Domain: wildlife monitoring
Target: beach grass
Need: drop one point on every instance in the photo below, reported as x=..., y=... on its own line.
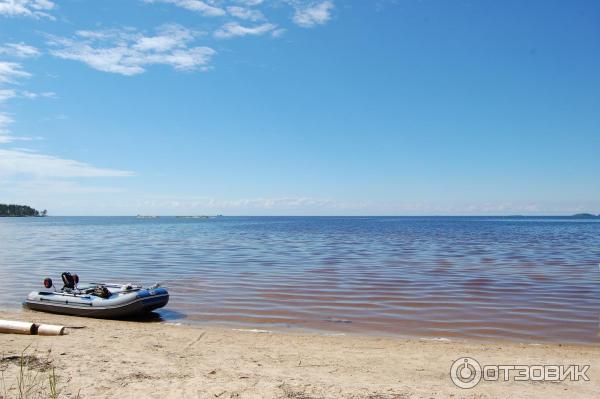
x=35, y=377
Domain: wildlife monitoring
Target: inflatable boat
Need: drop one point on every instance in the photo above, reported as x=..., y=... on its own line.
x=101, y=300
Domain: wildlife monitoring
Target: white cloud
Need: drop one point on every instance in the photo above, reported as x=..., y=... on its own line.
x=250, y=3
x=285, y=202
x=194, y=5
x=5, y=121
x=307, y=13
x=203, y=205
x=233, y=29
x=44, y=94
x=19, y=50
x=18, y=162
x=245, y=13
x=27, y=8
x=168, y=37
x=278, y=32
x=9, y=71
x=128, y=52
x=7, y=94
x=49, y=188
x=5, y=136
x=312, y=14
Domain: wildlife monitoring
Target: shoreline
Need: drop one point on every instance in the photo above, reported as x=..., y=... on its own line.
x=169, y=360
x=304, y=330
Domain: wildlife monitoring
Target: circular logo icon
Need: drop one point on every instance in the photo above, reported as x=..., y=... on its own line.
x=465, y=372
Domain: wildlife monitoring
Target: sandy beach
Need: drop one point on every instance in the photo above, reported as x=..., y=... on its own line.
x=107, y=359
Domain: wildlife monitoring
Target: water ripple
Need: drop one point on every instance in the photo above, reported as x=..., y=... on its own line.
x=525, y=279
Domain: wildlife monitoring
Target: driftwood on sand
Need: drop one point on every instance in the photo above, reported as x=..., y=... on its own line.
x=27, y=328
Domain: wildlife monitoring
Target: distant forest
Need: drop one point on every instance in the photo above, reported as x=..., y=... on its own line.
x=20, y=210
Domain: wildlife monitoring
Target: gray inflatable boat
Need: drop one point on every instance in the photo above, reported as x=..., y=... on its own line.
x=101, y=300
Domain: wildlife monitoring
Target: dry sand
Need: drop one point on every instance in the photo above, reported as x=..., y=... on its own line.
x=109, y=359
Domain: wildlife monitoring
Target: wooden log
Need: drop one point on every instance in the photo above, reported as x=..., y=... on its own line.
x=50, y=329
x=17, y=327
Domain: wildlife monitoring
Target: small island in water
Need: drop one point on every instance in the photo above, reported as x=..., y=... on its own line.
x=585, y=216
x=19, y=211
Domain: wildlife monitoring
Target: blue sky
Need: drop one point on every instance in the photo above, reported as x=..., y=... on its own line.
x=300, y=107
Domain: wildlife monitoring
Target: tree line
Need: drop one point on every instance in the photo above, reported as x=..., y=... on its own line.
x=20, y=210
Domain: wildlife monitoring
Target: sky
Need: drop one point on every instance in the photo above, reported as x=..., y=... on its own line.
x=300, y=107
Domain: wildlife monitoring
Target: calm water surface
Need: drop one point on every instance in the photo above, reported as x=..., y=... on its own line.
x=524, y=279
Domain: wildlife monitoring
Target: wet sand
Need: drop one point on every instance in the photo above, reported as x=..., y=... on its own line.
x=109, y=359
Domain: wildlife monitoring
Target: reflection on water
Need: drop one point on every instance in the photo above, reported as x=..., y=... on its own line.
x=525, y=279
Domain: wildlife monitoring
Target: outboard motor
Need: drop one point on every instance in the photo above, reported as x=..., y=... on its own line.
x=68, y=281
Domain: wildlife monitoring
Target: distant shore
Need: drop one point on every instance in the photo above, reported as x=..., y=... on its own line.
x=134, y=359
x=12, y=210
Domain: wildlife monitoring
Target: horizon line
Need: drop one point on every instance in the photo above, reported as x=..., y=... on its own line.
x=587, y=214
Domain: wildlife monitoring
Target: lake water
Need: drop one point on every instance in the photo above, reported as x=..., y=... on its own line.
x=525, y=279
